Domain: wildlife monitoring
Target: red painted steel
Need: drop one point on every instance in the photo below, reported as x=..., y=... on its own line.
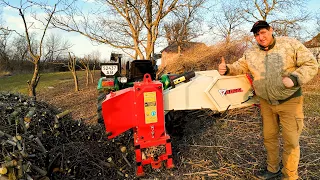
x=151, y=130
x=140, y=108
x=117, y=113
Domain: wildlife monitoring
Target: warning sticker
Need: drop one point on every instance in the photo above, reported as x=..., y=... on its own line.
x=150, y=107
x=179, y=80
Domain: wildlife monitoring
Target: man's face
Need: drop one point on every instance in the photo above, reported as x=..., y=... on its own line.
x=264, y=36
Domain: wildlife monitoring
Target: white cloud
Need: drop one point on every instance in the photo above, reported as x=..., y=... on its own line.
x=13, y=22
x=8, y=8
x=89, y=1
x=83, y=46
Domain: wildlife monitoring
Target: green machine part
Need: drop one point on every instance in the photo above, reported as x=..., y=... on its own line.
x=165, y=80
x=99, y=87
x=115, y=85
x=170, y=80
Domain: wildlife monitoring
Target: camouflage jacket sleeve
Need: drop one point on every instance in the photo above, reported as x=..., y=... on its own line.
x=306, y=63
x=238, y=67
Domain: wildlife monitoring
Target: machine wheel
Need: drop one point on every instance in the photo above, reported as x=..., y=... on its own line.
x=100, y=99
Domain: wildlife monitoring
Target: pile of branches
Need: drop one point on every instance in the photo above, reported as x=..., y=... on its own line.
x=39, y=142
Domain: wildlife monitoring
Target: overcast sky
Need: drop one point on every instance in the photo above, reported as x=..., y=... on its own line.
x=81, y=44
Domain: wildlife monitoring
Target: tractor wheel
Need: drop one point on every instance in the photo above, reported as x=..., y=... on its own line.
x=100, y=99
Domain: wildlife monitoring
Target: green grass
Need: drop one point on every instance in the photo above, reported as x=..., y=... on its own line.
x=18, y=83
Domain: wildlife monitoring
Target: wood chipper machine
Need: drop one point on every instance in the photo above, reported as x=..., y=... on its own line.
x=114, y=77
x=143, y=107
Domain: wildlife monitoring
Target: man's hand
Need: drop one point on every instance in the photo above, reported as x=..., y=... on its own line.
x=287, y=82
x=222, y=67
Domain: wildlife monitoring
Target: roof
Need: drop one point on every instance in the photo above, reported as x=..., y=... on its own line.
x=173, y=48
x=314, y=42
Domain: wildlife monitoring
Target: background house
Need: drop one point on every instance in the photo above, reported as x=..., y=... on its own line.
x=314, y=46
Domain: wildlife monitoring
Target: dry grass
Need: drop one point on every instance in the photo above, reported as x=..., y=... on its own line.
x=5, y=73
x=202, y=58
x=311, y=93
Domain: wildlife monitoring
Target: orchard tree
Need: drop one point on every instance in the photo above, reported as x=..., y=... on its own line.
x=23, y=9
x=72, y=68
x=85, y=62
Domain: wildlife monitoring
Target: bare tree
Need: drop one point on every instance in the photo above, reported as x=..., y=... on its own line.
x=227, y=20
x=283, y=14
x=72, y=67
x=35, y=55
x=19, y=48
x=85, y=62
x=131, y=25
x=4, y=38
x=55, y=47
x=4, y=56
x=186, y=24
x=317, y=17
x=95, y=58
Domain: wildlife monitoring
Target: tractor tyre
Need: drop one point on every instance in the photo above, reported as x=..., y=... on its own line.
x=100, y=99
x=101, y=96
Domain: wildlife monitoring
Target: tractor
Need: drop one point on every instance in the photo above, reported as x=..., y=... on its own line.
x=114, y=77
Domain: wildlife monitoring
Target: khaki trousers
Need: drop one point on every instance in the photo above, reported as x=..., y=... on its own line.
x=288, y=115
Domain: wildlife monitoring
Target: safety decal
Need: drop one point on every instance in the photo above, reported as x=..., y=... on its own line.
x=150, y=107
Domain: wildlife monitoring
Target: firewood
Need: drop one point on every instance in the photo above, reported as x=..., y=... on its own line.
x=11, y=163
x=39, y=170
x=37, y=140
x=68, y=151
x=3, y=170
x=59, y=116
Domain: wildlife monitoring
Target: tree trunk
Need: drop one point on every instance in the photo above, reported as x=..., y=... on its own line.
x=72, y=67
x=87, y=76
x=92, y=73
x=138, y=53
x=149, y=28
x=75, y=78
x=34, y=81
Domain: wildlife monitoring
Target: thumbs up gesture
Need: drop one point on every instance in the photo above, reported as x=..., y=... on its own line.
x=222, y=67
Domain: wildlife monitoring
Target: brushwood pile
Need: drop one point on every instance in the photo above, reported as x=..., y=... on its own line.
x=36, y=144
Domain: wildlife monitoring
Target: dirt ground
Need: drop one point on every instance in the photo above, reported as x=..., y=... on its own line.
x=206, y=145
x=82, y=104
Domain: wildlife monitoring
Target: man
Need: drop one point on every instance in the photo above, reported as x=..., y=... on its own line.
x=279, y=67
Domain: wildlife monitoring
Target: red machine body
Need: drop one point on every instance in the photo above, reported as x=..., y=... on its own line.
x=140, y=108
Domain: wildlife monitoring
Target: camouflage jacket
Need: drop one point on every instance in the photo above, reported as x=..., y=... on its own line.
x=288, y=57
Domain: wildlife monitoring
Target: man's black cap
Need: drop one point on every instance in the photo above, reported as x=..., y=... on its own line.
x=258, y=25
